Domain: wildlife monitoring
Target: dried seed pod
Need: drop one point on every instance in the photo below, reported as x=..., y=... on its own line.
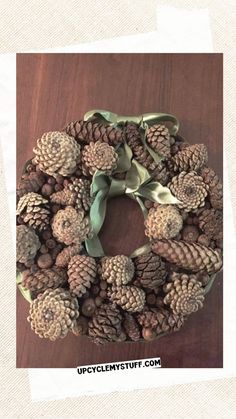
x=164, y=221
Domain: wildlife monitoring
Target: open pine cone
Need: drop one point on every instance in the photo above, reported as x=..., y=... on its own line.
x=163, y=222
x=70, y=226
x=116, y=270
x=98, y=156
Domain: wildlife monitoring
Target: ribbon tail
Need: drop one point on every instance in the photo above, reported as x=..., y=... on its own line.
x=94, y=247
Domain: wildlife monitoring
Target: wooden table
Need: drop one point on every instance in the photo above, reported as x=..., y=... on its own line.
x=53, y=89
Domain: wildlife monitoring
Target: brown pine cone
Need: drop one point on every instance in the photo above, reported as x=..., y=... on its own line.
x=129, y=298
x=160, y=320
x=82, y=272
x=81, y=188
x=31, y=182
x=215, y=187
x=87, y=131
x=70, y=226
x=98, y=156
x=118, y=270
x=44, y=278
x=27, y=244
x=105, y=325
x=162, y=174
x=158, y=137
x=63, y=258
x=131, y=327
x=190, y=233
x=191, y=158
x=150, y=271
x=189, y=189
x=184, y=295
x=53, y=313
x=33, y=210
x=191, y=256
x=64, y=197
x=80, y=327
x=211, y=223
x=57, y=153
x=134, y=141
x=164, y=221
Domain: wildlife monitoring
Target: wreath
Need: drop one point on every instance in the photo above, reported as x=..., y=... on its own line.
x=71, y=285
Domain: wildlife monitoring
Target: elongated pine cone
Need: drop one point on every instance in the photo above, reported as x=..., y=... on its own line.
x=30, y=182
x=140, y=154
x=191, y=158
x=98, y=156
x=131, y=327
x=189, y=189
x=43, y=279
x=164, y=221
x=117, y=270
x=53, y=313
x=215, y=187
x=81, y=189
x=184, y=295
x=64, y=197
x=82, y=272
x=150, y=271
x=211, y=223
x=70, y=226
x=105, y=325
x=160, y=320
x=129, y=298
x=57, y=153
x=27, y=244
x=158, y=137
x=88, y=131
x=191, y=256
x=33, y=210
x=63, y=258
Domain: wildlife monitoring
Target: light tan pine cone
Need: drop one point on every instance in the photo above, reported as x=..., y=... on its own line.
x=163, y=221
x=191, y=158
x=105, y=325
x=63, y=258
x=158, y=137
x=140, y=154
x=87, y=131
x=98, y=156
x=70, y=226
x=81, y=188
x=117, y=270
x=53, y=313
x=150, y=271
x=57, y=153
x=184, y=295
x=27, y=244
x=160, y=320
x=44, y=278
x=211, y=223
x=131, y=327
x=64, y=197
x=82, y=272
x=189, y=189
x=33, y=210
x=215, y=187
x=31, y=182
x=191, y=256
x=129, y=298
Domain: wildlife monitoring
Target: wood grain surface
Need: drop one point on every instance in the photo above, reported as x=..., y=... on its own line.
x=53, y=89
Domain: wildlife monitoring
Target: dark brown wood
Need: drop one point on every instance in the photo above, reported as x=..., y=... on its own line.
x=53, y=89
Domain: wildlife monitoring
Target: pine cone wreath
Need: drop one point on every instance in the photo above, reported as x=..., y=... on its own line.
x=81, y=189
x=131, y=327
x=30, y=182
x=150, y=271
x=158, y=137
x=211, y=223
x=27, y=244
x=163, y=221
x=184, y=295
x=82, y=272
x=189, y=189
x=88, y=131
x=212, y=180
x=33, y=210
x=70, y=226
x=191, y=256
x=44, y=278
x=105, y=325
x=191, y=158
x=98, y=156
x=159, y=320
x=53, y=313
x=129, y=298
x=63, y=258
x=140, y=154
x=57, y=153
x=117, y=270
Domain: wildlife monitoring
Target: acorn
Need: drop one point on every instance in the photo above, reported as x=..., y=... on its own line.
x=45, y=261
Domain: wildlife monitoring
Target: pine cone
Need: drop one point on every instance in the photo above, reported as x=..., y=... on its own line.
x=118, y=270
x=80, y=327
x=57, y=153
x=191, y=158
x=31, y=182
x=53, y=313
x=98, y=156
x=44, y=278
x=215, y=187
x=184, y=295
x=158, y=137
x=70, y=226
x=87, y=131
x=32, y=208
x=160, y=320
x=27, y=244
x=64, y=197
x=63, y=258
x=82, y=272
x=164, y=221
x=140, y=154
x=161, y=174
x=129, y=298
x=81, y=188
x=211, y=223
x=105, y=325
x=131, y=327
x=189, y=189
x=190, y=233
x=190, y=256
x=150, y=271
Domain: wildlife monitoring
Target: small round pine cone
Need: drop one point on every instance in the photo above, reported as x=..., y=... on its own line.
x=57, y=153
x=81, y=189
x=118, y=270
x=129, y=298
x=27, y=244
x=160, y=320
x=63, y=258
x=163, y=221
x=91, y=131
x=191, y=158
x=184, y=295
x=53, y=313
x=150, y=271
x=190, y=233
x=44, y=278
x=31, y=182
x=140, y=154
x=158, y=137
x=211, y=223
x=131, y=327
x=105, y=325
x=189, y=189
x=64, y=197
x=82, y=272
x=70, y=226
x=215, y=186
x=98, y=156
